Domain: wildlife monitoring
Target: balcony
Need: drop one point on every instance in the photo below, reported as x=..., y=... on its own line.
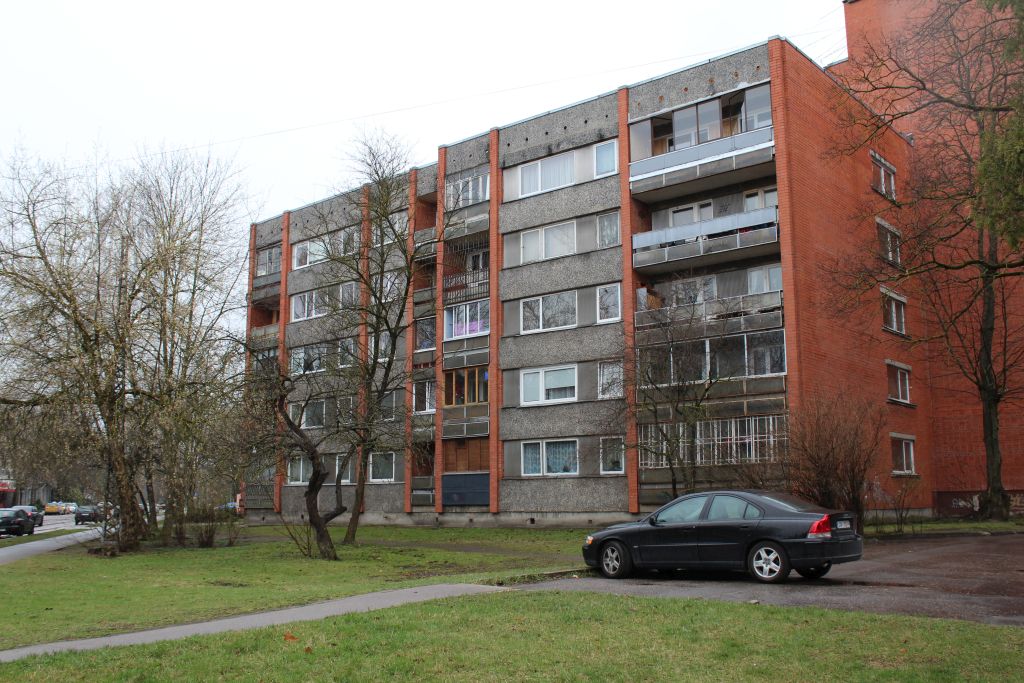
x=265, y=335
x=727, y=160
x=742, y=235
x=425, y=241
x=466, y=286
x=746, y=312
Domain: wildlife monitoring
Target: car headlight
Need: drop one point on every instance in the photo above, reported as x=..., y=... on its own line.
x=590, y=539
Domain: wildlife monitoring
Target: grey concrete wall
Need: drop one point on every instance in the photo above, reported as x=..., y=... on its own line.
x=380, y=498
x=426, y=180
x=563, y=420
x=541, y=136
x=704, y=80
x=588, y=451
x=468, y=154
x=567, y=272
x=586, y=240
x=560, y=205
x=325, y=216
x=565, y=494
x=586, y=379
x=268, y=232
x=581, y=344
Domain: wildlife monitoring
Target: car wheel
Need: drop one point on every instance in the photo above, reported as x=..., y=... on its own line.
x=31, y=529
x=615, y=560
x=767, y=562
x=815, y=572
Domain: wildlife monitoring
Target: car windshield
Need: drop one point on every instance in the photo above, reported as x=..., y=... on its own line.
x=6, y=513
x=791, y=503
x=86, y=508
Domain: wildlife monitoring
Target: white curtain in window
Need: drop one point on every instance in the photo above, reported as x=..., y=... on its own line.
x=531, y=246
x=531, y=386
x=556, y=171
x=531, y=458
x=560, y=457
x=559, y=240
x=559, y=384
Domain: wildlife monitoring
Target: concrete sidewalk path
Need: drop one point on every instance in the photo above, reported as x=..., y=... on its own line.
x=23, y=550
x=356, y=603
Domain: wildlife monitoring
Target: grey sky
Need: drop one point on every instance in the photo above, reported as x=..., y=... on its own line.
x=282, y=87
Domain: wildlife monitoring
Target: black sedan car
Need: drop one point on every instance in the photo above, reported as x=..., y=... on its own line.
x=767, y=534
x=15, y=522
x=87, y=513
x=35, y=514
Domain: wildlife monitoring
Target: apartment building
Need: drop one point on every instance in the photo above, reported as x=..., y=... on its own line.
x=594, y=260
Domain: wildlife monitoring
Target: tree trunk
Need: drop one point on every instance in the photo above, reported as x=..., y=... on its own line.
x=324, y=542
x=995, y=502
x=132, y=527
x=357, y=505
x=151, y=497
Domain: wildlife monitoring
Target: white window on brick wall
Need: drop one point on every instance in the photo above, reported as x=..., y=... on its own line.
x=608, y=303
x=608, y=233
x=550, y=242
x=549, y=312
x=548, y=385
x=899, y=381
x=888, y=241
x=424, y=396
x=893, y=312
x=883, y=176
x=382, y=467
x=550, y=458
x=606, y=161
x=902, y=454
x=613, y=455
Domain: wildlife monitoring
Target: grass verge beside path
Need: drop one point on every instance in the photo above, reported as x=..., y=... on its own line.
x=37, y=536
x=945, y=526
x=70, y=594
x=521, y=636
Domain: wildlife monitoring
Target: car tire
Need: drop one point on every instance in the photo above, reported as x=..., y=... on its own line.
x=615, y=561
x=767, y=562
x=815, y=572
x=31, y=529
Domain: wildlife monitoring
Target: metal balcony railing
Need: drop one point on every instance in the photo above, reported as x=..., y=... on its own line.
x=697, y=153
x=466, y=286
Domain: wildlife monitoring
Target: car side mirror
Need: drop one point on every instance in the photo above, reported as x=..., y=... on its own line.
x=653, y=520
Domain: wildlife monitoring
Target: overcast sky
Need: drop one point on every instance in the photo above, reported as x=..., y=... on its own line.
x=283, y=87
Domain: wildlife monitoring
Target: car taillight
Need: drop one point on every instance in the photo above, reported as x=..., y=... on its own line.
x=821, y=528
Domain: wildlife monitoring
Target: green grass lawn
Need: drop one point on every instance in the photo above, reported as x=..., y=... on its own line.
x=70, y=594
x=945, y=526
x=37, y=536
x=523, y=636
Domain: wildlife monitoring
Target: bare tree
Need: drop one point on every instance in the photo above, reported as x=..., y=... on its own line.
x=950, y=81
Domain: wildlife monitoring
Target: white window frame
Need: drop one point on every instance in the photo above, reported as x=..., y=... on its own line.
x=304, y=476
x=322, y=252
x=892, y=247
x=694, y=208
x=885, y=172
x=540, y=299
x=544, y=457
x=622, y=448
x=618, y=230
x=618, y=306
x=389, y=402
x=761, y=193
x=466, y=305
x=601, y=383
x=297, y=356
x=902, y=381
x=310, y=303
x=369, y=464
x=303, y=423
x=348, y=473
x=540, y=174
x=348, y=357
x=904, y=440
x=542, y=373
x=457, y=199
x=543, y=243
x=891, y=302
x=614, y=142
x=416, y=334
x=430, y=394
x=262, y=258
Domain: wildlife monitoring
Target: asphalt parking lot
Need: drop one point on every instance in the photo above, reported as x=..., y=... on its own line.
x=978, y=578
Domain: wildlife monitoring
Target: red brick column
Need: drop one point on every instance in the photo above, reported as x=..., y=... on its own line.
x=283, y=317
x=442, y=165
x=495, y=380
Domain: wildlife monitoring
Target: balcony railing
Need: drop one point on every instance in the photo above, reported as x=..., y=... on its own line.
x=729, y=307
x=721, y=147
x=466, y=286
x=264, y=332
x=737, y=231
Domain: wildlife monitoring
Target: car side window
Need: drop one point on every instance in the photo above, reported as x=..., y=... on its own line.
x=684, y=511
x=752, y=513
x=727, y=507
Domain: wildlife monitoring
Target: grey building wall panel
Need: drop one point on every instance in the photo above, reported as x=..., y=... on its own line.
x=704, y=80
x=318, y=329
x=563, y=419
x=385, y=497
x=556, y=275
x=559, y=205
x=426, y=180
x=586, y=240
x=268, y=232
x=592, y=494
x=468, y=154
x=325, y=216
x=581, y=124
x=588, y=450
x=314, y=276
x=577, y=345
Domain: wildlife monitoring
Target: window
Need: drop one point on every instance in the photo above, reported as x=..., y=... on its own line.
x=608, y=230
x=389, y=285
x=349, y=294
x=608, y=305
x=387, y=230
x=468, y=191
x=388, y=406
x=893, y=312
x=764, y=279
x=308, y=359
x=308, y=252
x=687, y=510
x=465, y=386
x=613, y=455
x=426, y=333
x=382, y=347
x=888, y=242
x=347, y=354
x=299, y=470
x=265, y=359
x=883, y=176
x=548, y=385
x=552, y=458
x=478, y=260
x=423, y=396
x=692, y=291
x=467, y=320
x=766, y=353
x=899, y=382
x=550, y=242
x=382, y=467
x=726, y=508
x=343, y=469
x=605, y=158
x=546, y=174
x=312, y=304
x=902, y=454
x=610, y=379
x=311, y=417
x=692, y=213
x=760, y=199
x=550, y=312
x=268, y=261
x=728, y=357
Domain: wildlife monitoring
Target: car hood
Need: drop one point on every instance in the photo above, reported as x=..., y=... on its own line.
x=623, y=525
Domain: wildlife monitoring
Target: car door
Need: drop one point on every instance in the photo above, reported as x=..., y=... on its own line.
x=730, y=524
x=671, y=539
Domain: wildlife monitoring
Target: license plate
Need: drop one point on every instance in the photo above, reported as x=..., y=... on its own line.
x=842, y=524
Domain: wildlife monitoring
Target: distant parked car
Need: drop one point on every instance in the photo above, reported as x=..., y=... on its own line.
x=766, y=533
x=88, y=513
x=16, y=522
x=35, y=515
x=53, y=508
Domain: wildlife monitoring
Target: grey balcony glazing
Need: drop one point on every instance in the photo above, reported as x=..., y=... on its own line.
x=697, y=153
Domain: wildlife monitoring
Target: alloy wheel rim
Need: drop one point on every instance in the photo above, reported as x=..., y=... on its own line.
x=767, y=563
x=611, y=559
